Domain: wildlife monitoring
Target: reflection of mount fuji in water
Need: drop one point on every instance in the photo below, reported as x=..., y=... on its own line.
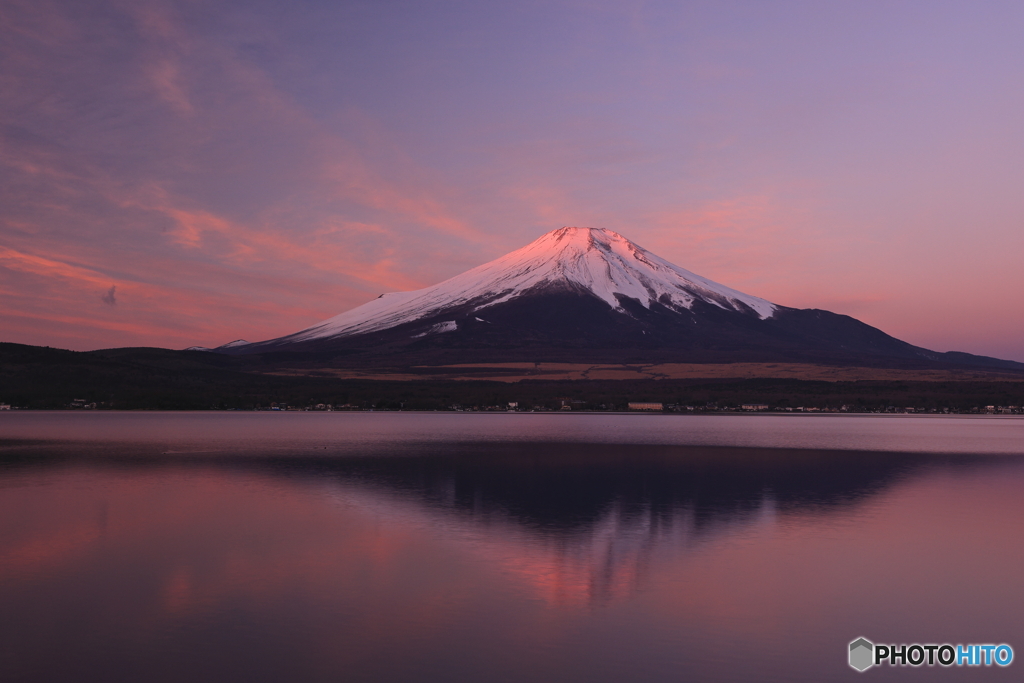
x=561, y=489
x=575, y=523
x=584, y=522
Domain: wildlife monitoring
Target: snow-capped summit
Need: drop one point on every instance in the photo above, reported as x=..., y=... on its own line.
x=588, y=260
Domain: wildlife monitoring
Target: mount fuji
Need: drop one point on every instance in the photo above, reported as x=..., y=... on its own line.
x=591, y=295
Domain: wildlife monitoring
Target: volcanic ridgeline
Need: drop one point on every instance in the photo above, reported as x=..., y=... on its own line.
x=586, y=295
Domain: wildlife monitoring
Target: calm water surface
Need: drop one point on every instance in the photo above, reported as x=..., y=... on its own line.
x=464, y=547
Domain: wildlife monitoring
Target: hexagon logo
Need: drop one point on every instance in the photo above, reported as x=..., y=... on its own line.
x=862, y=653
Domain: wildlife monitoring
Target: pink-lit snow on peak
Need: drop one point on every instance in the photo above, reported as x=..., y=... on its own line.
x=594, y=259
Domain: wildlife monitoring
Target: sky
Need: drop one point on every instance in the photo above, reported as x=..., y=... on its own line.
x=192, y=172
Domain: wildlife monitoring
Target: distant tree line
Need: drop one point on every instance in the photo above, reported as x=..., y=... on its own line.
x=156, y=379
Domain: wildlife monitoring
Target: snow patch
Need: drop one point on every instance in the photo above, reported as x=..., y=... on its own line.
x=439, y=328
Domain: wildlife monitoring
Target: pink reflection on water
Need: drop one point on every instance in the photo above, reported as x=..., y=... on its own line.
x=352, y=576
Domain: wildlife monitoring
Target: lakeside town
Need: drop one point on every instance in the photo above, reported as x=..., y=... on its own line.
x=570, y=405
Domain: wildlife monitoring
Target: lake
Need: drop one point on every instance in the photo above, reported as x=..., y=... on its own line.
x=503, y=547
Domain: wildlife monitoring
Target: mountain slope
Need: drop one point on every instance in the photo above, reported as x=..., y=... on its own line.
x=591, y=295
x=600, y=262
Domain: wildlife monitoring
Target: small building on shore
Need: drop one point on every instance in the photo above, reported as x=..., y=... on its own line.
x=645, y=406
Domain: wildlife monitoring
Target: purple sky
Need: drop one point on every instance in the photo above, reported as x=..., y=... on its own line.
x=178, y=173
